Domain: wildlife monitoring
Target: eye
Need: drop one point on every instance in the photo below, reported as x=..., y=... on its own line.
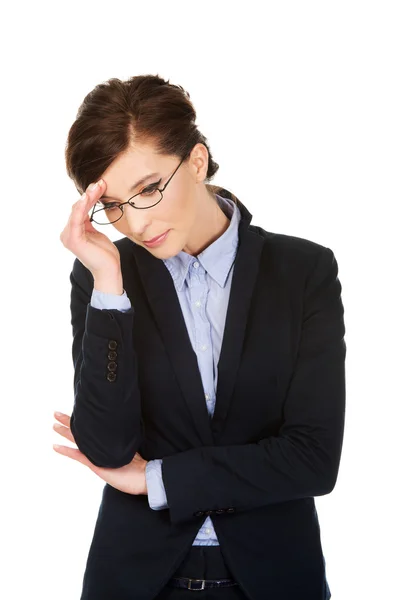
x=107, y=205
x=150, y=189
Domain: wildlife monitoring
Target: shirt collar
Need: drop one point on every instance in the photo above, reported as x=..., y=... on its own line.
x=217, y=259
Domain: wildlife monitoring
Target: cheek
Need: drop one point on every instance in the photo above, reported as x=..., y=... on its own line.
x=180, y=212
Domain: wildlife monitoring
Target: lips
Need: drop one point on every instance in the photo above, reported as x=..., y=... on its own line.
x=155, y=238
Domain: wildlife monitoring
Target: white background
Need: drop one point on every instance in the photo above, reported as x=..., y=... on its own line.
x=300, y=103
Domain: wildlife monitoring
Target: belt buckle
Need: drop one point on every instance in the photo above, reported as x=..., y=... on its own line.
x=203, y=583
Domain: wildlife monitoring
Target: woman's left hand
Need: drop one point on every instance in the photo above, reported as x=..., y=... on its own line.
x=130, y=478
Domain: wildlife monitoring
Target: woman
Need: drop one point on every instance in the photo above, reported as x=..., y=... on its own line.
x=209, y=357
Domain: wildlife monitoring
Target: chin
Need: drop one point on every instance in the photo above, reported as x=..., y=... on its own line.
x=163, y=253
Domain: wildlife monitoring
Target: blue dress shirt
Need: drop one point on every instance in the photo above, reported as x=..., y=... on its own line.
x=203, y=286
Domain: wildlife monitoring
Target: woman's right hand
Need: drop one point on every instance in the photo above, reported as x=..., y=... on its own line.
x=94, y=249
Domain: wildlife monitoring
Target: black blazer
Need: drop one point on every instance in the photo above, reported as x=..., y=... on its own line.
x=273, y=443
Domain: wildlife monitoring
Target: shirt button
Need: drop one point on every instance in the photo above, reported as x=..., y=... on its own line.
x=198, y=303
x=207, y=396
x=204, y=347
x=208, y=530
x=196, y=265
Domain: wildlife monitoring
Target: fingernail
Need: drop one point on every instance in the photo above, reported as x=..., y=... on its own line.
x=92, y=186
x=83, y=197
x=58, y=414
x=56, y=446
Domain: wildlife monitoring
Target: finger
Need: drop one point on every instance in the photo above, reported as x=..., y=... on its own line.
x=63, y=418
x=79, y=220
x=64, y=431
x=89, y=199
x=80, y=209
x=73, y=453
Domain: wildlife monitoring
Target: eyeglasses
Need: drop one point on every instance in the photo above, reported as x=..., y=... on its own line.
x=113, y=211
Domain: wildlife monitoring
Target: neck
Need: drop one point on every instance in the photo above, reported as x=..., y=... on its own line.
x=211, y=222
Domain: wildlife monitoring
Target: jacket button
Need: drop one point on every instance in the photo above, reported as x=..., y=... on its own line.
x=220, y=511
x=112, y=344
x=199, y=513
x=111, y=376
x=230, y=510
x=112, y=366
x=208, y=512
x=112, y=355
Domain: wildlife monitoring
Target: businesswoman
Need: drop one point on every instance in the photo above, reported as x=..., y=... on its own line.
x=209, y=365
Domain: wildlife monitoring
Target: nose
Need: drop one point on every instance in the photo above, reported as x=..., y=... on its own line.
x=138, y=221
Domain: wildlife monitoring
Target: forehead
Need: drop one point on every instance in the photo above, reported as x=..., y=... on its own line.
x=136, y=161
x=132, y=169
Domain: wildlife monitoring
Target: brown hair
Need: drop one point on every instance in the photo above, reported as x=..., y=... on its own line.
x=145, y=108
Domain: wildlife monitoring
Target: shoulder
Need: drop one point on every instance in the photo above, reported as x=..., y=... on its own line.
x=290, y=253
x=293, y=254
x=289, y=245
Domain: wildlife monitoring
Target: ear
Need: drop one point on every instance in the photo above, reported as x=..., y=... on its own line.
x=199, y=162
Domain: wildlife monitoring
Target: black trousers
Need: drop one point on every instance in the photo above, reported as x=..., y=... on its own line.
x=203, y=562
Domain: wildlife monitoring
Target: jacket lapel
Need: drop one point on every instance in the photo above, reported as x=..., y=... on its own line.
x=164, y=304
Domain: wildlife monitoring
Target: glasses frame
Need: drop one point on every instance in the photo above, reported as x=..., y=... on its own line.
x=138, y=194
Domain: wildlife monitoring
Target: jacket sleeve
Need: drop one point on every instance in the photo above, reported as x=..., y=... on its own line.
x=155, y=487
x=303, y=459
x=106, y=418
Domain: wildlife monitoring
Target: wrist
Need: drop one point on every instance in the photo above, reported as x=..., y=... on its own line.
x=109, y=284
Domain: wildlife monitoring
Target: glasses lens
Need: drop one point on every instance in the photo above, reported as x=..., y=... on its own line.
x=104, y=215
x=107, y=215
x=145, y=200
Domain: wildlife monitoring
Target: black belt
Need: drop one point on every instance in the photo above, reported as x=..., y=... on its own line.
x=200, y=584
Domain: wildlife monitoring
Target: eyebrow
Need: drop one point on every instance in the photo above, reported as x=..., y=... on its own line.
x=135, y=185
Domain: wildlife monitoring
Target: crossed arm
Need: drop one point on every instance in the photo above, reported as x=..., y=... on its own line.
x=303, y=459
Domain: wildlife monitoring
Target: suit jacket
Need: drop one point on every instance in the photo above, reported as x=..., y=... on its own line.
x=273, y=443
